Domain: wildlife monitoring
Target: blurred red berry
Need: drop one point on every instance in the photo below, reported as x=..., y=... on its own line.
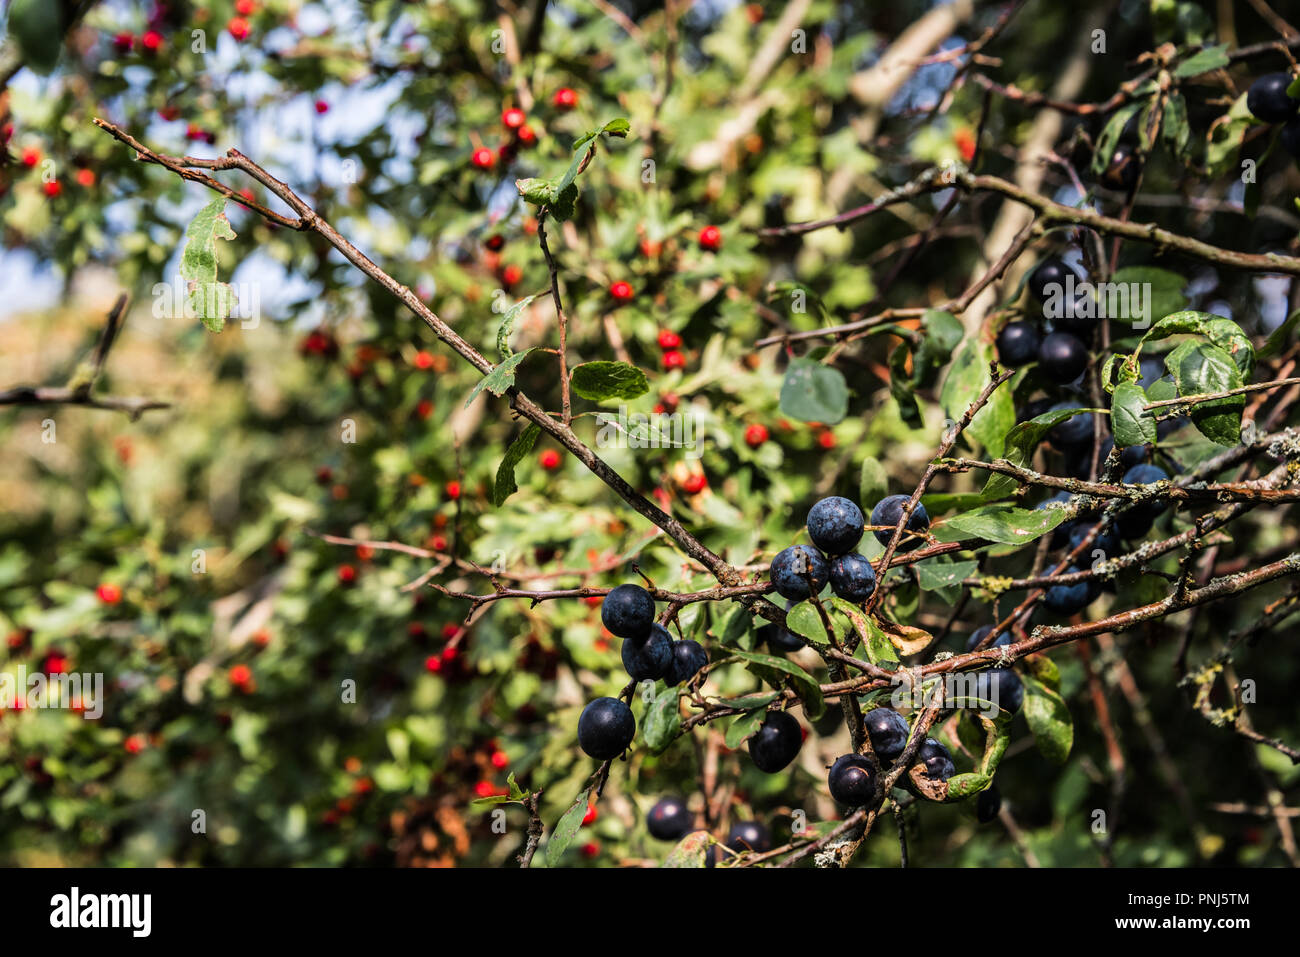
x=674, y=359
x=512, y=274
x=424, y=409
x=513, y=118
x=53, y=188
x=669, y=339
x=433, y=664
x=86, y=178
x=710, y=238
x=591, y=814
x=453, y=490
x=134, y=744
x=565, y=98
x=423, y=360
x=621, y=291
x=124, y=41
x=365, y=552
x=240, y=675
x=500, y=760
x=695, y=483
x=322, y=106
x=347, y=574
x=965, y=141
x=56, y=663
x=826, y=440
x=590, y=849
x=450, y=631
x=526, y=135
x=324, y=475
x=483, y=158
x=238, y=28
x=245, y=7
x=755, y=435
x=31, y=156
x=495, y=242
x=152, y=41
x=109, y=594
x=549, y=459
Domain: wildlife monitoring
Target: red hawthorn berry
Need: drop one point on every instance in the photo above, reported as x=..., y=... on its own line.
x=590, y=849
x=322, y=106
x=238, y=28
x=756, y=435
x=423, y=360
x=433, y=664
x=109, y=594
x=591, y=814
x=651, y=248
x=594, y=601
x=674, y=359
x=526, y=136
x=18, y=639
x=424, y=409
x=347, y=574
x=530, y=226
x=352, y=765
x=670, y=401
x=365, y=552
x=170, y=113
x=123, y=42
x=450, y=631
x=695, y=483
x=621, y=291
x=134, y=744
x=240, y=676
x=453, y=490
x=512, y=274
x=363, y=786
x=53, y=188
x=262, y=637
x=549, y=459
x=339, y=492
x=31, y=156
x=565, y=98
x=86, y=178
x=965, y=141
x=151, y=41
x=710, y=238
x=56, y=663
x=245, y=7
x=500, y=760
x=415, y=629
x=826, y=440
x=448, y=655
x=495, y=242
x=601, y=644
x=483, y=158
x=485, y=789
x=439, y=543
x=659, y=409
x=513, y=118
x=669, y=339
x=324, y=475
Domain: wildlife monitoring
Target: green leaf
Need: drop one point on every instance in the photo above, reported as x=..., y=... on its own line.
x=966, y=379
x=539, y=192
x=750, y=702
x=1175, y=129
x=804, y=619
x=1199, y=368
x=603, y=380
x=1162, y=293
x=505, y=484
x=1049, y=720
x=566, y=829
x=812, y=392
x=743, y=726
x=37, y=27
x=210, y=300
x=662, y=721
x=690, y=850
x=934, y=575
x=1110, y=135
x=507, y=326
x=1211, y=58
x=941, y=332
x=737, y=626
x=1278, y=337
x=1132, y=425
x=777, y=671
x=1019, y=448
x=500, y=378
x=873, y=483
x=1005, y=524
x=880, y=650
x=1225, y=137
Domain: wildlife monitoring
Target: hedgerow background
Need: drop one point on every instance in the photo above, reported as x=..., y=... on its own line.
x=213, y=515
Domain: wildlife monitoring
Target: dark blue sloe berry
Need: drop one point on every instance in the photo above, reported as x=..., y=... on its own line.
x=1062, y=357
x=606, y=728
x=799, y=572
x=1018, y=344
x=776, y=742
x=1267, y=98
x=835, y=525
x=669, y=819
x=852, y=577
x=888, y=732
x=648, y=660
x=689, y=657
x=628, y=611
x=852, y=780
x=935, y=760
x=889, y=511
x=749, y=836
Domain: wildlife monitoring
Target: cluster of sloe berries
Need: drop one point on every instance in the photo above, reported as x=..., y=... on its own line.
x=852, y=778
x=1062, y=352
x=835, y=526
x=606, y=726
